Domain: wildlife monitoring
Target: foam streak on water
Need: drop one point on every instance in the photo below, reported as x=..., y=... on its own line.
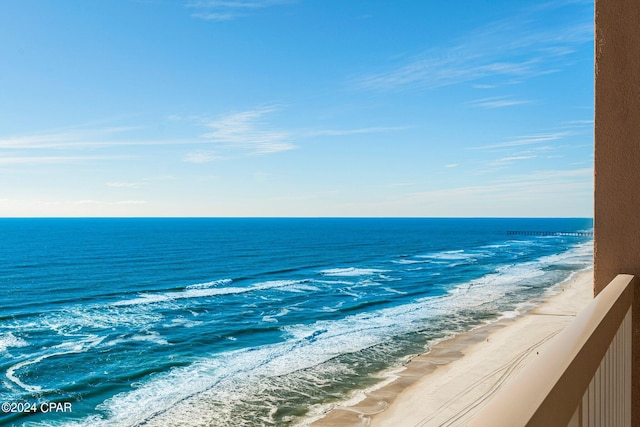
x=247, y=322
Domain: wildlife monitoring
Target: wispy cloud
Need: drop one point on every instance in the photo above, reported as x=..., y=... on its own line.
x=343, y=132
x=39, y=160
x=496, y=102
x=86, y=138
x=525, y=140
x=578, y=125
x=247, y=130
x=226, y=10
x=503, y=163
x=518, y=47
x=78, y=144
x=440, y=69
x=512, y=159
x=201, y=156
x=588, y=122
x=73, y=138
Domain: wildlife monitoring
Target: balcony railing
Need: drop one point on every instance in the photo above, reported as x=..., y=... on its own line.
x=582, y=378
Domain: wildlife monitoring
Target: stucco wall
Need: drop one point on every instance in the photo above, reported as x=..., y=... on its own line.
x=617, y=154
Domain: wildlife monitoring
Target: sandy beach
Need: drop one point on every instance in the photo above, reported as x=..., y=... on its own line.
x=450, y=383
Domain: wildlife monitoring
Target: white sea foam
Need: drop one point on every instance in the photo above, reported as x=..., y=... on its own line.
x=350, y=293
x=205, y=292
x=575, y=256
x=153, y=337
x=394, y=291
x=272, y=318
x=301, y=288
x=145, y=299
x=66, y=347
x=9, y=340
x=333, y=282
x=182, y=322
x=210, y=284
x=352, y=272
x=459, y=255
x=512, y=277
x=71, y=322
x=336, y=307
x=405, y=261
x=448, y=257
x=496, y=246
x=11, y=373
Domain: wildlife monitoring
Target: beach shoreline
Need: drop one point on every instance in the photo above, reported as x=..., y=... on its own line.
x=457, y=376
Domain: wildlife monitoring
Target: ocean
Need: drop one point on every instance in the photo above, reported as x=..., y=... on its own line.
x=247, y=321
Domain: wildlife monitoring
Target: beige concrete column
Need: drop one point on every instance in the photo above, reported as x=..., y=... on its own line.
x=617, y=154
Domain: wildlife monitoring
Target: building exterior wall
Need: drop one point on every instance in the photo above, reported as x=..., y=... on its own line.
x=617, y=155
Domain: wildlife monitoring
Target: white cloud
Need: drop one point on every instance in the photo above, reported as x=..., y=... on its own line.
x=74, y=138
x=518, y=47
x=500, y=165
x=36, y=160
x=526, y=140
x=511, y=159
x=496, y=102
x=84, y=138
x=580, y=125
x=342, y=132
x=588, y=122
x=200, y=157
x=226, y=10
x=246, y=130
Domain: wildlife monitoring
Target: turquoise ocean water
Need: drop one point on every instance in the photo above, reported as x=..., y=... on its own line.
x=246, y=322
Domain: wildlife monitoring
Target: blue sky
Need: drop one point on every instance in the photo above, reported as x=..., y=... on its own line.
x=296, y=108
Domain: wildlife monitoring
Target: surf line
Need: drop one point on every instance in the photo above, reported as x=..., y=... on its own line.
x=11, y=372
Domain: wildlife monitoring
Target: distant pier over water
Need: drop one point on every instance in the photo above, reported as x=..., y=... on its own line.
x=551, y=233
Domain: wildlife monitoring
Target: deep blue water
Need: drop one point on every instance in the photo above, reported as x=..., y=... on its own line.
x=232, y=322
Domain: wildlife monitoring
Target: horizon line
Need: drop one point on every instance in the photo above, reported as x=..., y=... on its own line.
x=295, y=217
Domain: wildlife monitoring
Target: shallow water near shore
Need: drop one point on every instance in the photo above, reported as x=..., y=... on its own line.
x=233, y=322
